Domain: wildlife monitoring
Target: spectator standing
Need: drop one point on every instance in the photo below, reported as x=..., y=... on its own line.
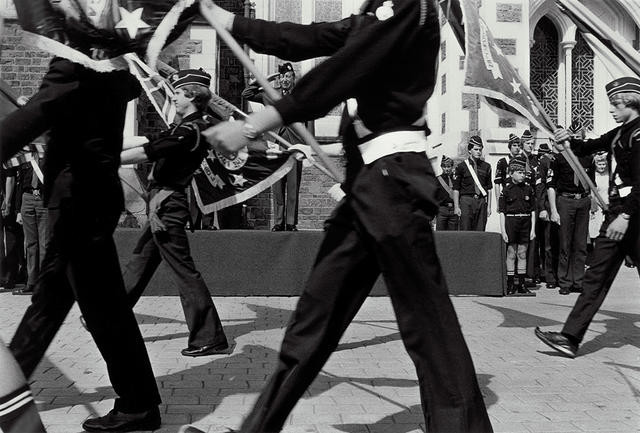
x=12, y=263
x=286, y=191
x=601, y=180
x=446, y=218
x=502, y=176
x=517, y=224
x=472, y=182
x=550, y=230
x=570, y=204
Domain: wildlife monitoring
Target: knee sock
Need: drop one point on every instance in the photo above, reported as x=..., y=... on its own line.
x=18, y=412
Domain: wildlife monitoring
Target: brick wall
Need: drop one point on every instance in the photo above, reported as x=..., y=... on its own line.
x=23, y=68
x=20, y=66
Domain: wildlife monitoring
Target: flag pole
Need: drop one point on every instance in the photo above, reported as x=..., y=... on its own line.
x=571, y=157
x=205, y=10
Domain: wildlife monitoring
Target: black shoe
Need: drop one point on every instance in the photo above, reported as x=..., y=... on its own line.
x=116, y=421
x=530, y=283
x=523, y=291
x=552, y=285
x=207, y=350
x=277, y=228
x=575, y=289
x=564, y=290
x=558, y=342
x=24, y=291
x=291, y=228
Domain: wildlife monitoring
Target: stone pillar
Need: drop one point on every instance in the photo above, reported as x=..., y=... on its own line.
x=564, y=74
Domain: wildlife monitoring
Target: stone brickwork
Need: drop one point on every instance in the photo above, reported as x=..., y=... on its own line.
x=507, y=122
x=508, y=46
x=469, y=101
x=20, y=66
x=509, y=12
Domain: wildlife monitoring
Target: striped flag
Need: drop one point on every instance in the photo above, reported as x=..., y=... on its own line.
x=490, y=74
x=26, y=154
x=154, y=86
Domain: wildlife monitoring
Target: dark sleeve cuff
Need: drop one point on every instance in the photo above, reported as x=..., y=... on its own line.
x=287, y=109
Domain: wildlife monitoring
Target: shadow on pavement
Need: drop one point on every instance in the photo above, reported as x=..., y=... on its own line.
x=519, y=319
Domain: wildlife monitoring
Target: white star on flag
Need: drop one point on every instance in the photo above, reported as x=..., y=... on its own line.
x=516, y=86
x=132, y=21
x=238, y=180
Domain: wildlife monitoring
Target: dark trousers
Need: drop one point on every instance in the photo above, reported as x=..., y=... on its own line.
x=574, y=231
x=606, y=259
x=535, y=252
x=380, y=227
x=12, y=257
x=82, y=264
x=34, y=224
x=447, y=219
x=551, y=251
x=285, y=209
x=473, y=213
x=172, y=246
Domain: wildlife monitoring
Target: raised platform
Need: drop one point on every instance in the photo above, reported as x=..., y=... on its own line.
x=262, y=263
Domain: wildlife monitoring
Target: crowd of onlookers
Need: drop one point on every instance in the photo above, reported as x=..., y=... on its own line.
x=548, y=216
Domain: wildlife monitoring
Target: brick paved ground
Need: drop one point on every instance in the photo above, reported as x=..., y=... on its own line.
x=369, y=383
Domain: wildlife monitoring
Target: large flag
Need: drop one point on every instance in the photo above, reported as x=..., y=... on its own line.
x=224, y=180
x=105, y=29
x=489, y=73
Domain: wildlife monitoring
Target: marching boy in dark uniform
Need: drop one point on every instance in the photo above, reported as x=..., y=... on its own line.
x=446, y=218
x=176, y=154
x=517, y=224
x=620, y=232
x=381, y=226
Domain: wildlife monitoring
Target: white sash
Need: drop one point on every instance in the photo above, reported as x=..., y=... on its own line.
x=475, y=178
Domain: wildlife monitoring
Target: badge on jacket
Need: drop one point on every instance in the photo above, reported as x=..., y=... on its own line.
x=385, y=11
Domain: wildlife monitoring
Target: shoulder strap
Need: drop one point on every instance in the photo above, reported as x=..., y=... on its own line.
x=445, y=186
x=475, y=178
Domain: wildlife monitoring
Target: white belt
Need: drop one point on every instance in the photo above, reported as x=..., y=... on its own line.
x=393, y=142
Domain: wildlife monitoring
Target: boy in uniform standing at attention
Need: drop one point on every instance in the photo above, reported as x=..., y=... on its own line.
x=516, y=206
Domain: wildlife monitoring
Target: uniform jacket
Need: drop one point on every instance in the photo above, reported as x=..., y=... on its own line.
x=542, y=173
x=516, y=198
x=463, y=181
x=178, y=151
x=624, y=143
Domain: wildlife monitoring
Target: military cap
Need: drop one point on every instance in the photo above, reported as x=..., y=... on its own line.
x=526, y=135
x=190, y=76
x=517, y=163
x=513, y=139
x=544, y=148
x=475, y=141
x=285, y=67
x=446, y=161
x=623, y=85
